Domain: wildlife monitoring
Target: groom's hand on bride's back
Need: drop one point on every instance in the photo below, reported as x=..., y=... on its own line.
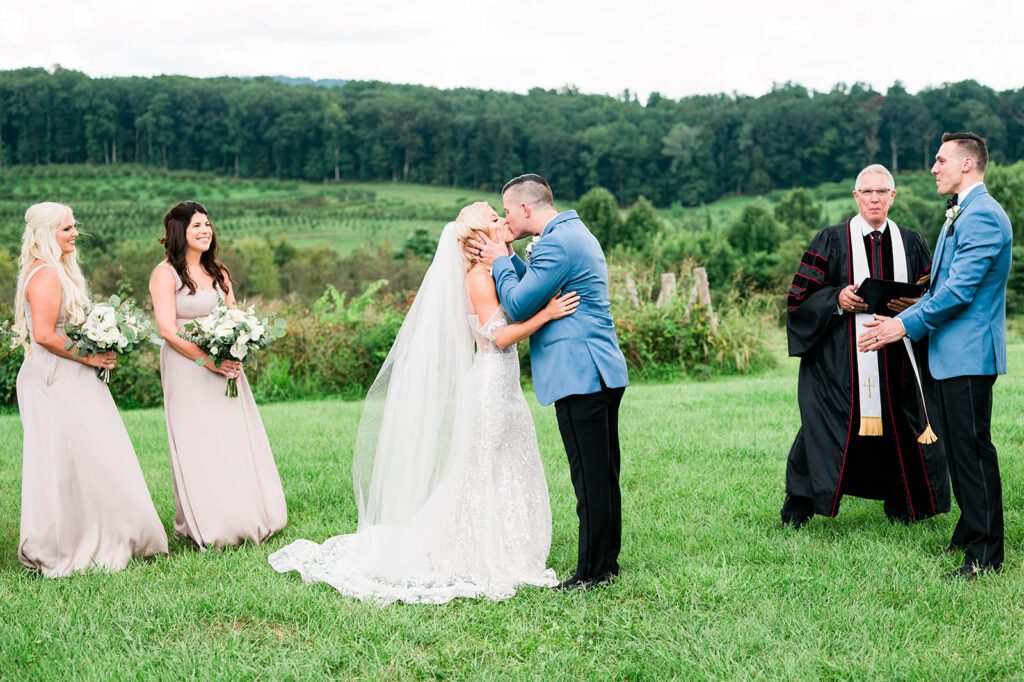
x=488, y=250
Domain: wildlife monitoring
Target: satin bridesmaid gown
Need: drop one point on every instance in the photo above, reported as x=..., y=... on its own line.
x=226, y=484
x=84, y=502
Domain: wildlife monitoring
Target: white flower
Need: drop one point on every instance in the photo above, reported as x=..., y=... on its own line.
x=257, y=332
x=529, y=247
x=239, y=350
x=952, y=213
x=213, y=350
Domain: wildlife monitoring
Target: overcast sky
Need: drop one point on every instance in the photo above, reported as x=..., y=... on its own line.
x=676, y=48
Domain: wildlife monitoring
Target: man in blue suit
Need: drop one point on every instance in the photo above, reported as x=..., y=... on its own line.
x=576, y=359
x=963, y=314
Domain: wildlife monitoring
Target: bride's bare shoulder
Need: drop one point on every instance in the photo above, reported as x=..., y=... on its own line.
x=482, y=294
x=479, y=277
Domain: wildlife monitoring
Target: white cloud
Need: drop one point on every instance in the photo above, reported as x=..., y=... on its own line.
x=600, y=46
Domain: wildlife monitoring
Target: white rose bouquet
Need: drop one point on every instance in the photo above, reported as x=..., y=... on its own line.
x=232, y=334
x=111, y=325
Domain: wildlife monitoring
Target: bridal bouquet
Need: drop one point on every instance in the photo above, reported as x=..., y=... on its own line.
x=111, y=325
x=232, y=334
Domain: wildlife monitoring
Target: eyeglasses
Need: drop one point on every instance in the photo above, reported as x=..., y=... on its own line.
x=880, y=193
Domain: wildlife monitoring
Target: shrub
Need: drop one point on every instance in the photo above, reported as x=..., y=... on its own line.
x=599, y=210
x=642, y=224
x=799, y=213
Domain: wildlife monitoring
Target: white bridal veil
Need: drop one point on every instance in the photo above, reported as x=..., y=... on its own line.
x=412, y=429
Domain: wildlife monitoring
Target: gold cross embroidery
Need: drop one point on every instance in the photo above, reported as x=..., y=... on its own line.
x=870, y=385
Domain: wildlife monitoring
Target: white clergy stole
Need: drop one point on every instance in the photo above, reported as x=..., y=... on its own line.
x=867, y=363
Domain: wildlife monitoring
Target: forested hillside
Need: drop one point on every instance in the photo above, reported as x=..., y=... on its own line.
x=691, y=151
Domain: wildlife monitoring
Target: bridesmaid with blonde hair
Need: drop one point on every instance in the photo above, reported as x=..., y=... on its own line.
x=84, y=502
x=226, y=484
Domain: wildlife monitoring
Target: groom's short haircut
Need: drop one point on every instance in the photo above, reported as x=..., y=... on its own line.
x=970, y=145
x=531, y=189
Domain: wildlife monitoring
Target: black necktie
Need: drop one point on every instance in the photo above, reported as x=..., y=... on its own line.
x=876, y=254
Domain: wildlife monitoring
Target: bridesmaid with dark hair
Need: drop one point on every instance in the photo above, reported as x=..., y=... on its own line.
x=226, y=486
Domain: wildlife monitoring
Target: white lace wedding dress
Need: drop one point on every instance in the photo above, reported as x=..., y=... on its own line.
x=483, y=529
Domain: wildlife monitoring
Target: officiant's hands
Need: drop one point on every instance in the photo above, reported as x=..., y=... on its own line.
x=850, y=302
x=898, y=305
x=881, y=331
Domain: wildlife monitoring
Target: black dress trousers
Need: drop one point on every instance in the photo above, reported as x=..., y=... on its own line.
x=966, y=404
x=589, y=425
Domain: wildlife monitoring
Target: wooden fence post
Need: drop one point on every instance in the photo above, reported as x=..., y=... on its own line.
x=634, y=296
x=668, y=289
x=703, y=291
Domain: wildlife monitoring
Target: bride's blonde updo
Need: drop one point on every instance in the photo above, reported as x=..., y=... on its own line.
x=472, y=223
x=39, y=243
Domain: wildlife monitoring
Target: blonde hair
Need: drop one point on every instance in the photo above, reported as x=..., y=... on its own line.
x=471, y=222
x=39, y=243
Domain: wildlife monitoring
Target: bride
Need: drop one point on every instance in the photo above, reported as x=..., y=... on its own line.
x=447, y=474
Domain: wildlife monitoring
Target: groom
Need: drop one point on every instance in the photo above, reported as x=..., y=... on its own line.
x=963, y=314
x=576, y=360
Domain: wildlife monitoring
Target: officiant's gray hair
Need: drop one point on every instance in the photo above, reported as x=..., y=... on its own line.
x=531, y=189
x=875, y=168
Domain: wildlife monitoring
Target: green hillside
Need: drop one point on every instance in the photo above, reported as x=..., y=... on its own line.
x=128, y=202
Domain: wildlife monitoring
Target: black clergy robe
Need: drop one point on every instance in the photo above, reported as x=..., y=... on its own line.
x=828, y=459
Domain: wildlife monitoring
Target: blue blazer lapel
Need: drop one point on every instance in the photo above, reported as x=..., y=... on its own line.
x=937, y=256
x=972, y=196
x=944, y=234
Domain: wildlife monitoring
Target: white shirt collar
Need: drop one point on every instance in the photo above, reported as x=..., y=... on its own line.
x=865, y=226
x=963, y=195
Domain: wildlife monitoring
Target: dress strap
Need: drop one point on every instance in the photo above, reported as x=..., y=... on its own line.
x=33, y=272
x=28, y=278
x=177, y=277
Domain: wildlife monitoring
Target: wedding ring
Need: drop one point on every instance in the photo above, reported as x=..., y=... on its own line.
x=876, y=339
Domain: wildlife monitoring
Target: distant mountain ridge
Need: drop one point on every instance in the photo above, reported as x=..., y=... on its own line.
x=319, y=82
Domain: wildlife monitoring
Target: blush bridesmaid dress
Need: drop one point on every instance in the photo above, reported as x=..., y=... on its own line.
x=226, y=484
x=84, y=502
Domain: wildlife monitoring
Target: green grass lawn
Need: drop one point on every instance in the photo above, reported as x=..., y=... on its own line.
x=711, y=587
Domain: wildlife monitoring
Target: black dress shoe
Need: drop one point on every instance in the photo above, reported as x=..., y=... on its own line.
x=969, y=572
x=576, y=583
x=796, y=523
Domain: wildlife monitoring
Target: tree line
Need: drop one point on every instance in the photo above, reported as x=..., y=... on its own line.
x=688, y=151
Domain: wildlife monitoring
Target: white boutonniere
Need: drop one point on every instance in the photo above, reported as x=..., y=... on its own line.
x=529, y=247
x=952, y=213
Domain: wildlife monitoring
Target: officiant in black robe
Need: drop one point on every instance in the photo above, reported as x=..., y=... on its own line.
x=830, y=457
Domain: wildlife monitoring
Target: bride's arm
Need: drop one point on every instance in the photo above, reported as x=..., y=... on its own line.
x=484, y=298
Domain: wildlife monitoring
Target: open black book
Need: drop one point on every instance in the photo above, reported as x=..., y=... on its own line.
x=878, y=292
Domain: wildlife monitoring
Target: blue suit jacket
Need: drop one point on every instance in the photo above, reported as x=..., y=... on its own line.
x=964, y=311
x=571, y=355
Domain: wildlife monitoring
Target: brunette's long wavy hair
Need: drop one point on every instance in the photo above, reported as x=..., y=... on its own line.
x=175, y=246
